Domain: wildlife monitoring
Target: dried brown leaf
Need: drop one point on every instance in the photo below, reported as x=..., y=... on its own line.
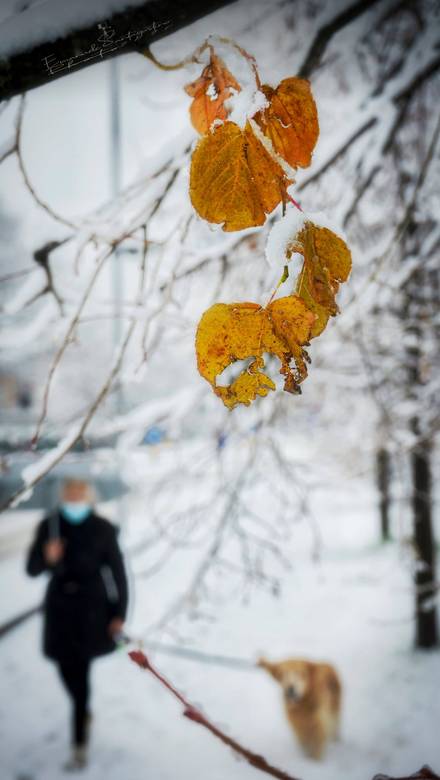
x=210, y=90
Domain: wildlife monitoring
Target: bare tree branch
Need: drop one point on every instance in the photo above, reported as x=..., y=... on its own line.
x=425, y=773
x=325, y=34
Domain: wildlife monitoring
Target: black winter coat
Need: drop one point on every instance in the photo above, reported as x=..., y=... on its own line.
x=87, y=587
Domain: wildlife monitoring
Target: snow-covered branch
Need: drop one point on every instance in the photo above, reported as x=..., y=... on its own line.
x=43, y=43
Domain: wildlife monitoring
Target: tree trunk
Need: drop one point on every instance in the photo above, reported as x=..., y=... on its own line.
x=426, y=613
x=420, y=310
x=383, y=483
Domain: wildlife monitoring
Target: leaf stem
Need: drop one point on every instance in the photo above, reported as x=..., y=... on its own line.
x=295, y=203
x=283, y=278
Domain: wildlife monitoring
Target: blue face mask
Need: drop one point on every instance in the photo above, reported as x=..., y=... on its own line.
x=75, y=511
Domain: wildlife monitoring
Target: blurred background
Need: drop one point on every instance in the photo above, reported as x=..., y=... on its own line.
x=301, y=526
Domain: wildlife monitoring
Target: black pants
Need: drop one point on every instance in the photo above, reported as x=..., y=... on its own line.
x=75, y=674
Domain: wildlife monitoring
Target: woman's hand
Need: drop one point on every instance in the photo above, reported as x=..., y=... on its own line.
x=115, y=626
x=53, y=551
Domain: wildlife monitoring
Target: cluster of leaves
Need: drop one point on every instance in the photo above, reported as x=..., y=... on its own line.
x=237, y=331
x=238, y=176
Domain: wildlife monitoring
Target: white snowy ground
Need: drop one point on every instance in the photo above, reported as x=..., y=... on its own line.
x=353, y=608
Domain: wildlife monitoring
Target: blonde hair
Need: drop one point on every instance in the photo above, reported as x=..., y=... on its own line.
x=71, y=482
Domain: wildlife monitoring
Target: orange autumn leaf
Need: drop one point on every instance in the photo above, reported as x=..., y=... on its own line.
x=240, y=331
x=210, y=91
x=233, y=178
x=290, y=121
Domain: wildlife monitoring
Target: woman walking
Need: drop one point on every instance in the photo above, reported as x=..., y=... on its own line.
x=86, y=598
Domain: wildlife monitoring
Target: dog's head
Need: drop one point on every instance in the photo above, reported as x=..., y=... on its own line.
x=294, y=676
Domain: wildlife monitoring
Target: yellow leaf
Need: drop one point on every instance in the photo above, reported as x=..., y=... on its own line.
x=333, y=253
x=321, y=313
x=233, y=179
x=327, y=263
x=290, y=120
x=246, y=387
x=237, y=331
x=291, y=324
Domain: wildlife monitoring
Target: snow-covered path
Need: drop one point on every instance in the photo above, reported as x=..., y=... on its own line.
x=349, y=609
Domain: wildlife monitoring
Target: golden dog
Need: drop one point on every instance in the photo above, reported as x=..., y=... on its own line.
x=312, y=699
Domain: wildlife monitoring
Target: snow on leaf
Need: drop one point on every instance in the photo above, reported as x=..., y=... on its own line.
x=279, y=240
x=233, y=178
x=290, y=120
x=237, y=331
x=209, y=92
x=243, y=105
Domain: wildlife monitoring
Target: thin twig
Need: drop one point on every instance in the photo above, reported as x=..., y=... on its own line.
x=67, y=340
x=192, y=713
x=24, y=173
